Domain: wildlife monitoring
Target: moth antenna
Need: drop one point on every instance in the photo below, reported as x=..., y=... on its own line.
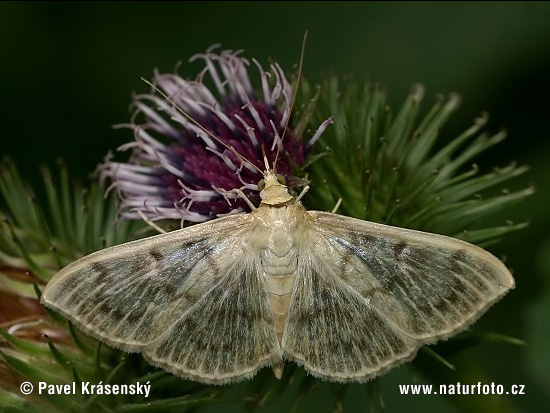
x=266, y=162
x=294, y=93
x=198, y=124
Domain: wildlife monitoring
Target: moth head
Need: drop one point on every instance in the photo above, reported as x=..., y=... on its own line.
x=273, y=190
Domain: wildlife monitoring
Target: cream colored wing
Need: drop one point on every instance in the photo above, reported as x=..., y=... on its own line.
x=191, y=301
x=367, y=296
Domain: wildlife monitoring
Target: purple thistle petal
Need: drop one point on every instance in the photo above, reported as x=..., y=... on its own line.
x=177, y=170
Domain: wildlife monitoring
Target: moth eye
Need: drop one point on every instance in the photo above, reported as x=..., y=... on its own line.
x=281, y=179
x=261, y=185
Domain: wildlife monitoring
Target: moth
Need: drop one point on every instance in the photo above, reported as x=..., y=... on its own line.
x=344, y=298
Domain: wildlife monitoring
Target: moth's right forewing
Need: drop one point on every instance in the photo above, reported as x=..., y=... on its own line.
x=367, y=296
x=429, y=286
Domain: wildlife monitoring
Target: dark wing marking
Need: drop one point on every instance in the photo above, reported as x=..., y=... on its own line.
x=227, y=335
x=333, y=332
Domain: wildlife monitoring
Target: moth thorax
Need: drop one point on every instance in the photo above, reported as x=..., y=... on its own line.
x=274, y=192
x=275, y=195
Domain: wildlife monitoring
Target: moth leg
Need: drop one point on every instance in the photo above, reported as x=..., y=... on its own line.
x=336, y=206
x=243, y=196
x=150, y=223
x=239, y=193
x=304, y=191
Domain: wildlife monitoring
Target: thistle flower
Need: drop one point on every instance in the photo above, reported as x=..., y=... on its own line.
x=179, y=169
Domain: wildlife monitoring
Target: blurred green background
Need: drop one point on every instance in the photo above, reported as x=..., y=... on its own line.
x=68, y=70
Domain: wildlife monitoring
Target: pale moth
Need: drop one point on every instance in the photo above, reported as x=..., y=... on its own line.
x=215, y=302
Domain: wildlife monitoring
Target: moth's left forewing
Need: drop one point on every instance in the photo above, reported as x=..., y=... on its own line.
x=128, y=295
x=429, y=286
x=191, y=301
